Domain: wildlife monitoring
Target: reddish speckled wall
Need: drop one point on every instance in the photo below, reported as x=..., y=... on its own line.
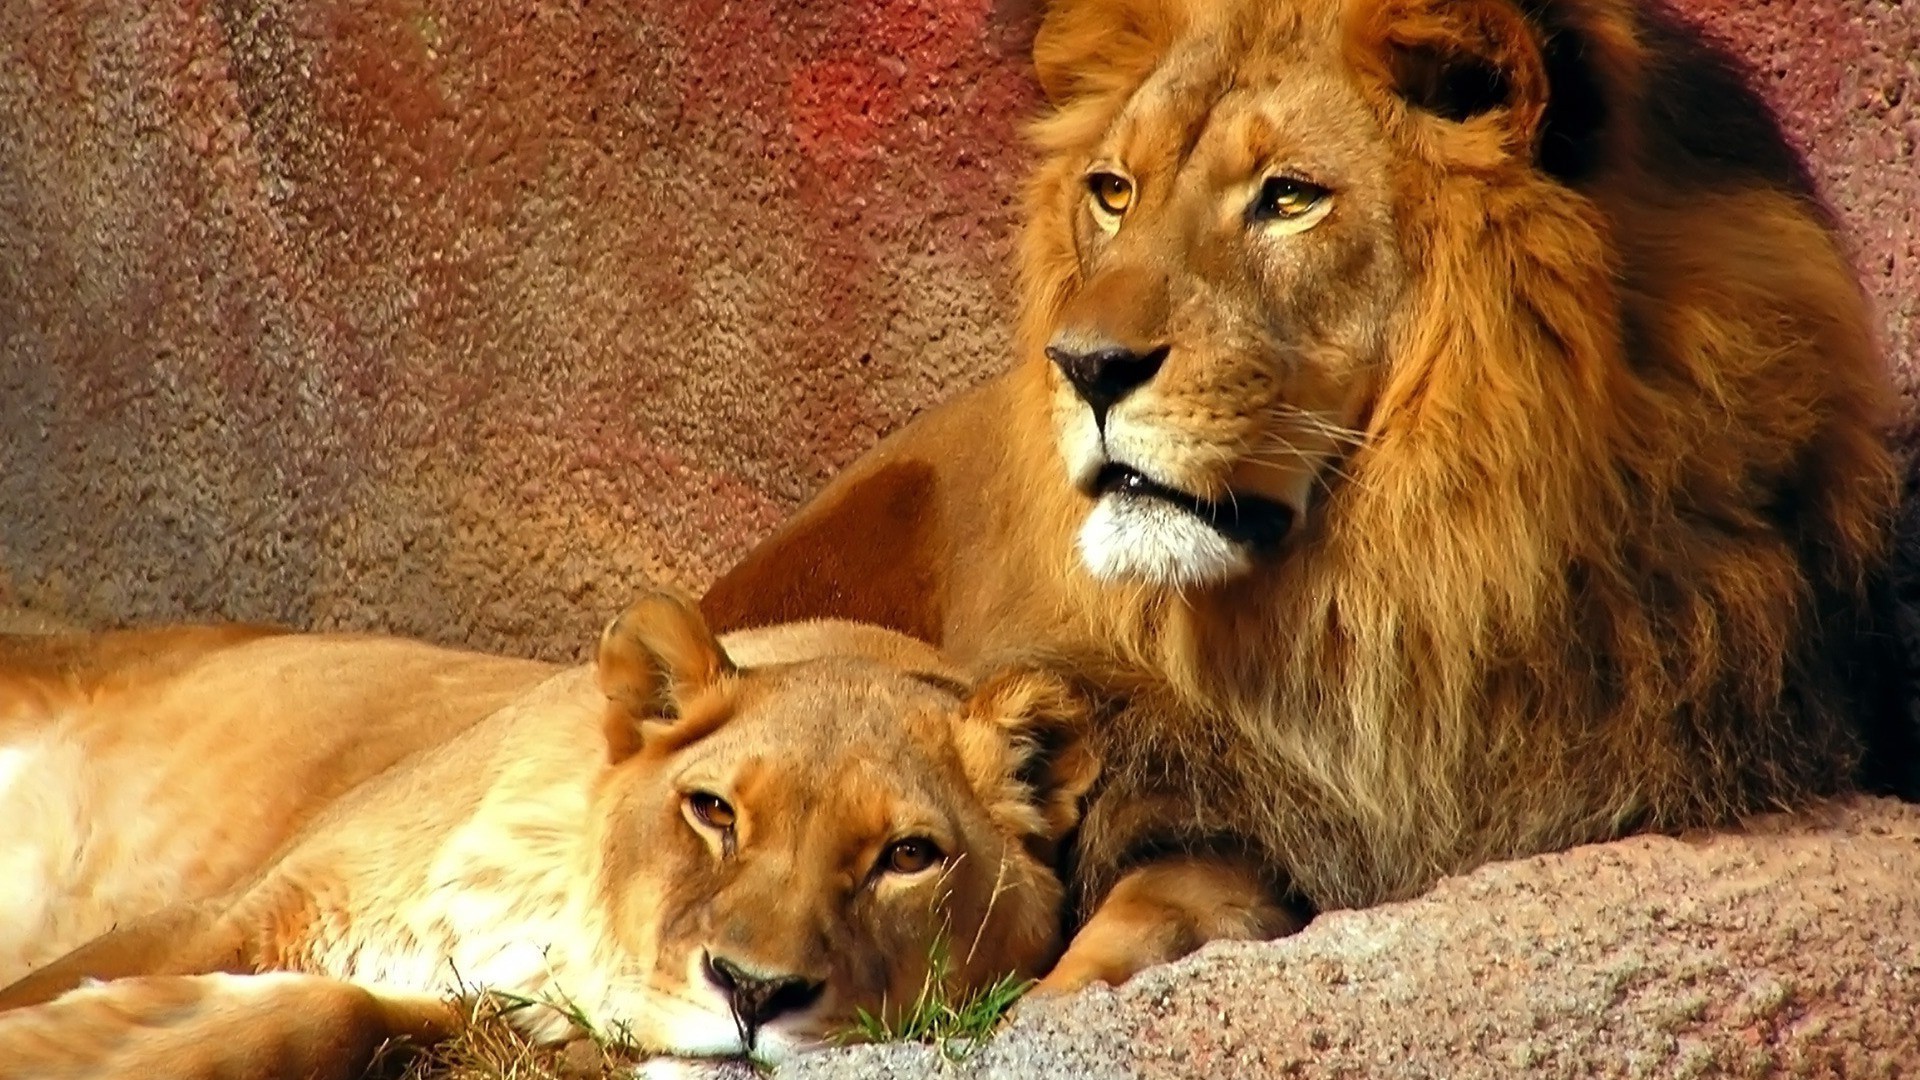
x=462, y=320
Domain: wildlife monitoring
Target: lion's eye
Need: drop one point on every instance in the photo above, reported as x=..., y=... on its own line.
x=1283, y=197
x=910, y=856
x=711, y=810
x=1111, y=192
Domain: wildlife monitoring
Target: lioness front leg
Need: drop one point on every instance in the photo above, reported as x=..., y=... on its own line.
x=234, y=1027
x=173, y=995
x=188, y=939
x=1164, y=910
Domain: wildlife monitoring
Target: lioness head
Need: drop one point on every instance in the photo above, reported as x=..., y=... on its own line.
x=1225, y=241
x=788, y=844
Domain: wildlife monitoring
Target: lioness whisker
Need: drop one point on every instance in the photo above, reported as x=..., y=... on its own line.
x=993, y=898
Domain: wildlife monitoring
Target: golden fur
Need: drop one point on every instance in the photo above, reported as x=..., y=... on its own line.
x=1562, y=381
x=725, y=850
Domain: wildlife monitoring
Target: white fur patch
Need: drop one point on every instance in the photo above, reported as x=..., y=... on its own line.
x=1129, y=537
x=13, y=766
x=1079, y=441
x=247, y=989
x=42, y=804
x=673, y=1068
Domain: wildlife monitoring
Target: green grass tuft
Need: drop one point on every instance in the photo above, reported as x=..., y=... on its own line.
x=954, y=1025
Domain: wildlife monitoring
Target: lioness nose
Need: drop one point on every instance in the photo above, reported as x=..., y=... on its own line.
x=757, y=999
x=1105, y=374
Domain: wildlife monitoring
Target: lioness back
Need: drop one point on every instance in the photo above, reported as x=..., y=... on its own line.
x=145, y=768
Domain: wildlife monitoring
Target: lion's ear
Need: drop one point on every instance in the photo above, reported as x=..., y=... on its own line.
x=1463, y=61
x=1024, y=742
x=657, y=655
x=1087, y=48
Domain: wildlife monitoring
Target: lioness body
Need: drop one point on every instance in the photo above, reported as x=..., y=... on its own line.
x=410, y=823
x=1520, y=324
x=108, y=784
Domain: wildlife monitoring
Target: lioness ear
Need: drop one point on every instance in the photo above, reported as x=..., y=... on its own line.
x=1463, y=61
x=1024, y=742
x=655, y=656
x=1096, y=47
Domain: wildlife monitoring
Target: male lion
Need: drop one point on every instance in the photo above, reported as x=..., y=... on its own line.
x=727, y=859
x=1449, y=428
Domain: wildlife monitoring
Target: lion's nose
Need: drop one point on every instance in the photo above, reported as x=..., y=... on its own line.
x=1103, y=375
x=757, y=998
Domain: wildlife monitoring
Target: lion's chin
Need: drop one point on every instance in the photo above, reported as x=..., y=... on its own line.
x=1140, y=530
x=1136, y=538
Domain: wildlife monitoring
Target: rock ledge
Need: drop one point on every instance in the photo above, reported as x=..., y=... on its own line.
x=1789, y=949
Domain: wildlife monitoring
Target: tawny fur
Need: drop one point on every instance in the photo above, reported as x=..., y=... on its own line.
x=1580, y=388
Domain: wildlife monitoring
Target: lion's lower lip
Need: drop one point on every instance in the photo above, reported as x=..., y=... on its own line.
x=1245, y=519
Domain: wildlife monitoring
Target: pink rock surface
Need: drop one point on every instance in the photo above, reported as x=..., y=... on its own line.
x=462, y=320
x=1792, y=950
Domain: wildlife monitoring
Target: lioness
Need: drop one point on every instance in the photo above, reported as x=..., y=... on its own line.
x=1449, y=428
x=729, y=851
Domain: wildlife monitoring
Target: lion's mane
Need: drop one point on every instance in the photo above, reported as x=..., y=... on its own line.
x=1606, y=558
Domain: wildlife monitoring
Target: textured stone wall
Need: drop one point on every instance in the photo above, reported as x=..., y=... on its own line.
x=461, y=320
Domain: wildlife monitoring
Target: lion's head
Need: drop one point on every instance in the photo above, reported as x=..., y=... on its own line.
x=786, y=844
x=1275, y=247
x=1214, y=272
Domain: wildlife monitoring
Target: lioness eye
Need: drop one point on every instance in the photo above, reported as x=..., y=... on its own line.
x=712, y=810
x=1111, y=192
x=910, y=856
x=1286, y=197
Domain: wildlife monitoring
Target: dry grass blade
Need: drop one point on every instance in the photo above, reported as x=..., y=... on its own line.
x=488, y=1047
